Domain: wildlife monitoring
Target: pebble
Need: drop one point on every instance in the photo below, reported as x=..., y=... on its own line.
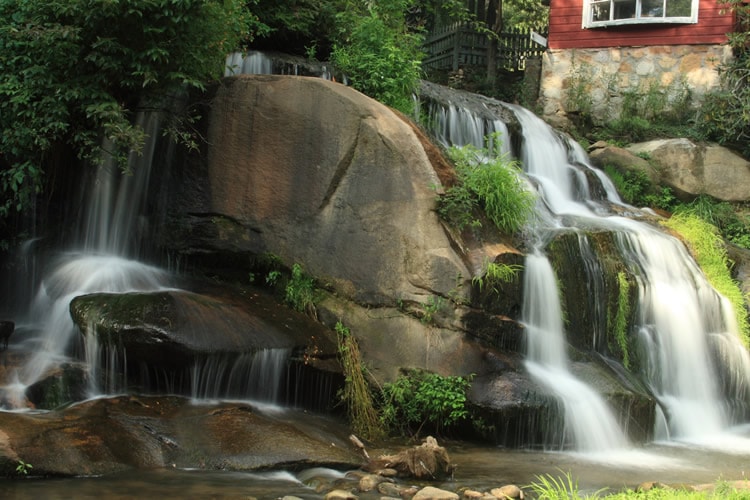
x=432, y=493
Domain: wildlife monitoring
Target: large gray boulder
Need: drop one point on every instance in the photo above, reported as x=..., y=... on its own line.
x=692, y=169
x=315, y=172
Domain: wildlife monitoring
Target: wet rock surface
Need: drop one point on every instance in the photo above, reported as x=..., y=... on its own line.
x=111, y=435
x=171, y=329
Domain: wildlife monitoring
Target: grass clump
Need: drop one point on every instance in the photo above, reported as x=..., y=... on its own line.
x=300, y=291
x=732, y=225
x=565, y=487
x=489, y=182
x=709, y=251
x=356, y=392
x=495, y=275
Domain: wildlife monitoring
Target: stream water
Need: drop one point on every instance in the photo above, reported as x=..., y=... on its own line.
x=478, y=468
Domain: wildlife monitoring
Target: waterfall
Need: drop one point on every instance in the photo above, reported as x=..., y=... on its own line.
x=97, y=264
x=589, y=423
x=257, y=375
x=695, y=365
x=259, y=63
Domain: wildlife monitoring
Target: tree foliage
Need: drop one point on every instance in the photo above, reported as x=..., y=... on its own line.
x=302, y=27
x=72, y=72
x=378, y=52
x=725, y=113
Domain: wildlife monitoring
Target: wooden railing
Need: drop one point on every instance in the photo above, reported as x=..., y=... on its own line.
x=457, y=45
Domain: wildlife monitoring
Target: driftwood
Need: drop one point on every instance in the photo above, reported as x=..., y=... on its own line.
x=426, y=461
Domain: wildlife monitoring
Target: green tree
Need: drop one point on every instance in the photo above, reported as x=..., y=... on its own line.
x=73, y=72
x=378, y=52
x=725, y=113
x=302, y=27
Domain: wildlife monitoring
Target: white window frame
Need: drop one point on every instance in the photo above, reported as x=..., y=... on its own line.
x=588, y=15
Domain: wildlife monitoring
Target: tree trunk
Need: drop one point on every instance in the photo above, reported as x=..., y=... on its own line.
x=494, y=23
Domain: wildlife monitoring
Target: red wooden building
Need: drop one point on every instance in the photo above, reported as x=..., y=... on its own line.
x=621, y=23
x=628, y=45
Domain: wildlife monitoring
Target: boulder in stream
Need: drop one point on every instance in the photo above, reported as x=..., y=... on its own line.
x=104, y=436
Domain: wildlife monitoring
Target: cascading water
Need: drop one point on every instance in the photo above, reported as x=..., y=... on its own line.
x=589, y=424
x=108, y=246
x=258, y=63
x=109, y=234
x=695, y=366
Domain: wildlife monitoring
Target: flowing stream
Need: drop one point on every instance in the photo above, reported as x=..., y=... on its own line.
x=695, y=367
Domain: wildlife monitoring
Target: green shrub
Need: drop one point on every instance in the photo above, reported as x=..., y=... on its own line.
x=377, y=53
x=490, y=183
x=419, y=398
x=723, y=117
x=637, y=189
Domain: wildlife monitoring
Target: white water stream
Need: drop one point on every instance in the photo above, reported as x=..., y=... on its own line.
x=683, y=324
x=106, y=261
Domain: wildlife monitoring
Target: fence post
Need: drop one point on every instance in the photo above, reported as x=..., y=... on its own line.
x=456, y=47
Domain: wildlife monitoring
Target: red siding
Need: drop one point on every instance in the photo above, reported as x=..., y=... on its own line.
x=566, y=17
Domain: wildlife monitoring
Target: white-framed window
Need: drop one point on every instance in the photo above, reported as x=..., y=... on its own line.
x=618, y=12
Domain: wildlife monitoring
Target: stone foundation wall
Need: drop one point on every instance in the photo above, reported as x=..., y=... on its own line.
x=594, y=80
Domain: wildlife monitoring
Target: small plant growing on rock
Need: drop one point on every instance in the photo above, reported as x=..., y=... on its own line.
x=300, y=291
x=496, y=274
x=490, y=182
x=430, y=308
x=23, y=468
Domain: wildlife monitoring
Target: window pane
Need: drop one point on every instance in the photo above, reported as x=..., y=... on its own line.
x=652, y=8
x=678, y=8
x=600, y=11
x=624, y=9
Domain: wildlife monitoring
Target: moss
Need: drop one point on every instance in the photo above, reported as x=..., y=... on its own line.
x=619, y=324
x=710, y=253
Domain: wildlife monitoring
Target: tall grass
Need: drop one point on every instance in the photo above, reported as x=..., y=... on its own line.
x=709, y=251
x=565, y=487
x=488, y=182
x=356, y=392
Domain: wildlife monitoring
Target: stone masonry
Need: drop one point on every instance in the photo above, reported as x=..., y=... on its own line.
x=577, y=78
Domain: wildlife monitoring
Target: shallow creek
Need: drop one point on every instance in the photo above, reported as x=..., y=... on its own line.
x=479, y=468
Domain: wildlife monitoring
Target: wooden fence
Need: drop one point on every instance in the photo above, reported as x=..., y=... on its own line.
x=453, y=46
